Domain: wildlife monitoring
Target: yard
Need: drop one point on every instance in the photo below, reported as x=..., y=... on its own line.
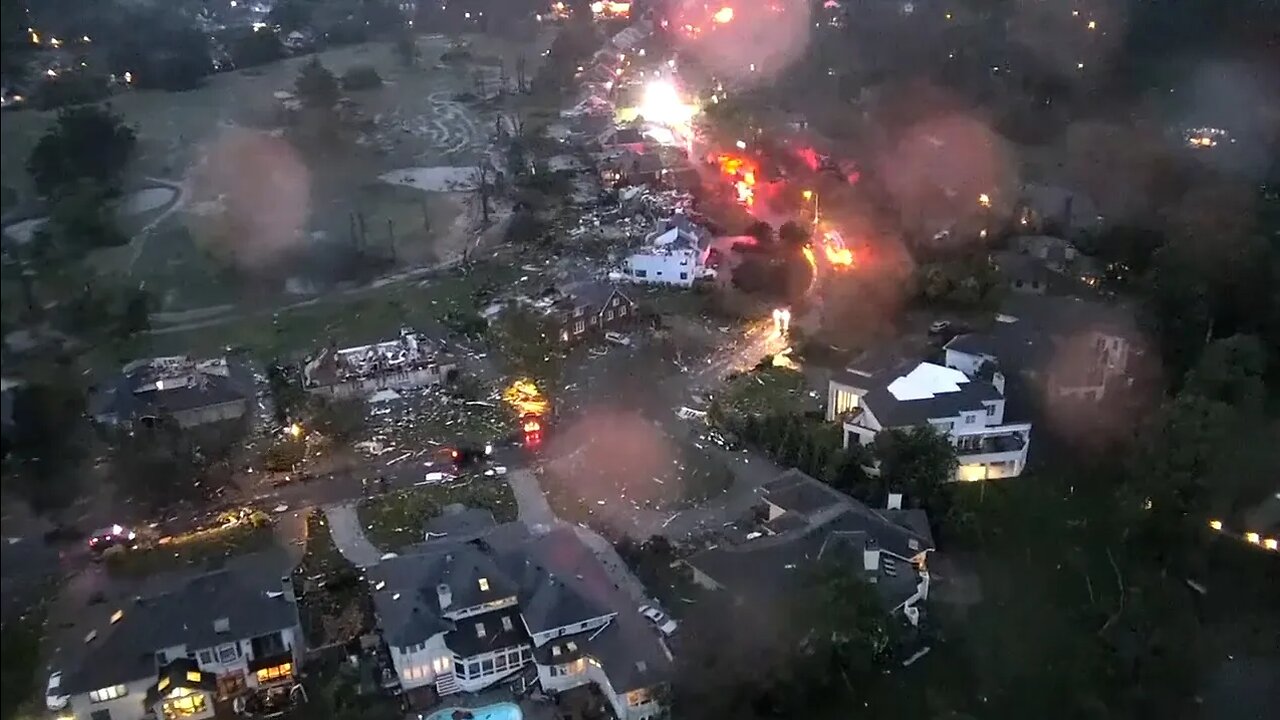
x=334, y=603
x=203, y=549
x=761, y=392
x=395, y=520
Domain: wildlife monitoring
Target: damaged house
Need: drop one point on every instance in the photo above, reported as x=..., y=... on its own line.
x=191, y=392
x=410, y=361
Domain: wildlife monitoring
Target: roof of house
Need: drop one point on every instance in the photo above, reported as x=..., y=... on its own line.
x=797, y=492
x=592, y=293
x=169, y=385
x=457, y=521
x=557, y=580
x=913, y=393
x=236, y=603
x=180, y=673
x=770, y=566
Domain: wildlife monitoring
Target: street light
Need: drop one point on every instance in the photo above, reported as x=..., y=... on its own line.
x=811, y=195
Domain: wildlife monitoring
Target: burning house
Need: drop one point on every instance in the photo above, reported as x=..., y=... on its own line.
x=412, y=360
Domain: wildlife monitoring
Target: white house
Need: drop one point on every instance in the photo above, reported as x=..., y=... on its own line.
x=210, y=641
x=507, y=607
x=675, y=255
x=965, y=407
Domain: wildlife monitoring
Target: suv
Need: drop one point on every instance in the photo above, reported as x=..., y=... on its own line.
x=665, y=625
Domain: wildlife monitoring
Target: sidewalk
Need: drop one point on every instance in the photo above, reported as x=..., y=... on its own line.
x=344, y=526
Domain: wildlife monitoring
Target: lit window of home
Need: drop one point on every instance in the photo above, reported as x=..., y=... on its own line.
x=484, y=584
x=108, y=693
x=278, y=672
x=479, y=630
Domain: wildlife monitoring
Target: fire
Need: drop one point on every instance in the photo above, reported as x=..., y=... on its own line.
x=663, y=104
x=723, y=15
x=525, y=398
x=743, y=173
x=834, y=248
x=810, y=157
x=809, y=256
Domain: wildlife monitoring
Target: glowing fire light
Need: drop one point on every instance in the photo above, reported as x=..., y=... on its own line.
x=743, y=173
x=723, y=15
x=662, y=104
x=809, y=256
x=525, y=398
x=984, y=200
x=782, y=321
x=834, y=248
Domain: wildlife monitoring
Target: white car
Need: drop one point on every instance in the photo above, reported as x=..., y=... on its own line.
x=617, y=338
x=665, y=625
x=53, y=697
x=436, y=477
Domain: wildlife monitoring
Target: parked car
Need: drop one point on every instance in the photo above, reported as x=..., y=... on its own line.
x=665, y=625
x=437, y=477
x=54, y=699
x=617, y=338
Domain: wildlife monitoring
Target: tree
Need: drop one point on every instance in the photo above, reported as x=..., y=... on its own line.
x=918, y=462
x=340, y=419
x=285, y=384
x=158, y=464
x=793, y=235
x=81, y=219
x=256, y=47
x=361, y=77
x=316, y=86
x=86, y=143
x=407, y=48
x=289, y=15
x=47, y=439
x=761, y=231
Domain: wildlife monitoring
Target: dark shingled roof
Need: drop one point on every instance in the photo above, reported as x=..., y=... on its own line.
x=247, y=596
x=797, y=492
x=465, y=639
x=123, y=396
x=894, y=413
x=591, y=294
x=769, y=567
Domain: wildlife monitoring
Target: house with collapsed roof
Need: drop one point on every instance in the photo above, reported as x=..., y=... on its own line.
x=675, y=254
x=503, y=606
x=805, y=522
x=967, y=407
x=412, y=360
x=207, y=645
x=191, y=392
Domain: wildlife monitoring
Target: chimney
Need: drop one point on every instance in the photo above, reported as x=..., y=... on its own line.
x=895, y=502
x=997, y=379
x=445, y=595
x=871, y=559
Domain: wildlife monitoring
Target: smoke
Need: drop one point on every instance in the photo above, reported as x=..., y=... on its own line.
x=251, y=198
x=754, y=47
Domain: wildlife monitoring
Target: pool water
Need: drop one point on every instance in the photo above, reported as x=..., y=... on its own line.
x=500, y=711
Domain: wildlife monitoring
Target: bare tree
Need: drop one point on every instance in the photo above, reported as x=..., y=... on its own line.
x=484, y=172
x=521, y=85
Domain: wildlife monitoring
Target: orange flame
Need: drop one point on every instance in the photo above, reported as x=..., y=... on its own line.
x=834, y=248
x=813, y=261
x=743, y=173
x=723, y=15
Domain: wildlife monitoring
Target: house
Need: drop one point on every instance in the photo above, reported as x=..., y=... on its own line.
x=633, y=168
x=191, y=392
x=506, y=606
x=808, y=521
x=1058, y=347
x=1051, y=208
x=1060, y=257
x=967, y=408
x=589, y=308
x=207, y=643
x=674, y=255
x=624, y=138
x=1023, y=273
x=410, y=361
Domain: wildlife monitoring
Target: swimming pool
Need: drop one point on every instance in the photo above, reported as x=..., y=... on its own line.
x=500, y=711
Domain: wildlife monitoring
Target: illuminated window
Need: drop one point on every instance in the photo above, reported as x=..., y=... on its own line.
x=484, y=584
x=108, y=693
x=278, y=672
x=184, y=703
x=506, y=623
x=479, y=630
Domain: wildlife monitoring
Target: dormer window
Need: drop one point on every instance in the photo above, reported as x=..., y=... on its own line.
x=571, y=645
x=484, y=584
x=555, y=651
x=506, y=623
x=479, y=630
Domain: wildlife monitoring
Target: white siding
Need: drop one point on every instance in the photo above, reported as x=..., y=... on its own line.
x=676, y=268
x=127, y=707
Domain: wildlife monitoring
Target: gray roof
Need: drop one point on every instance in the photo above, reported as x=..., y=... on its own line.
x=592, y=293
x=770, y=567
x=124, y=396
x=556, y=578
x=895, y=413
x=797, y=492
x=461, y=522
x=466, y=639
x=186, y=615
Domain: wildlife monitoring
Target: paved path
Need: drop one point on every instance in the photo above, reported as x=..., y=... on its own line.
x=532, y=503
x=344, y=526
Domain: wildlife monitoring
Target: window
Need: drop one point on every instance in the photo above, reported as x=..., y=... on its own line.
x=991, y=410
x=108, y=693
x=579, y=326
x=577, y=312
x=228, y=653
x=506, y=623
x=684, y=276
x=572, y=646
x=161, y=659
x=500, y=663
x=484, y=584
x=622, y=311
x=525, y=654
x=608, y=314
x=473, y=669
x=615, y=301
x=100, y=715
x=486, y=666
x=271, y=674
x=479, y=630
x=970, y=419
x=642, y=273
x=555, y=651
x=206, y=657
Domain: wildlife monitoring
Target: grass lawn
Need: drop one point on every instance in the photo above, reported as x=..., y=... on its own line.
x=353, y=318
x=334, y=605
x=395, y=520
x=203, y=549
x=769, y=390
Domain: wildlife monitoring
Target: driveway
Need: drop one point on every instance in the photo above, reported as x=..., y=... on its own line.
x=344, y=526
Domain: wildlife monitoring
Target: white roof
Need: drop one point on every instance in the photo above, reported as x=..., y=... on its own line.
x=927, y=381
